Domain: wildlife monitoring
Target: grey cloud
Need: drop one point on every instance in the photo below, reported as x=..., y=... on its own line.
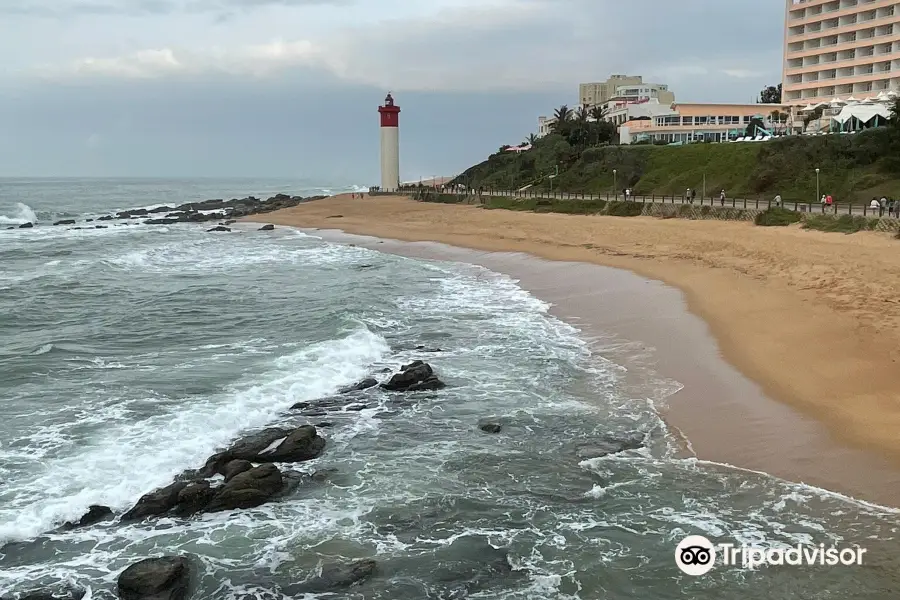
x=67, y=8
x=218, y=128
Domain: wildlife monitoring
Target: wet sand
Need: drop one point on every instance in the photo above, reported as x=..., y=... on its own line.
x=803, y=436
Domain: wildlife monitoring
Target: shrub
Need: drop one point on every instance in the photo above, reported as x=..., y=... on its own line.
x=841, y=224
x=776, y=217
x=625, y=209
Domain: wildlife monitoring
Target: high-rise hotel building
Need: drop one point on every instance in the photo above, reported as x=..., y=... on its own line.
x=840, y=48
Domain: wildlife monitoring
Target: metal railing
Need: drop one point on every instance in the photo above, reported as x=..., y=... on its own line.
x=757, y=203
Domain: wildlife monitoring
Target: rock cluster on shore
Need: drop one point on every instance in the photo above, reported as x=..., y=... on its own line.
x=196, y=212
x=246, y=474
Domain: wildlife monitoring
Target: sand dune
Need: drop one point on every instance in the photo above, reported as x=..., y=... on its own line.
x=813, y=317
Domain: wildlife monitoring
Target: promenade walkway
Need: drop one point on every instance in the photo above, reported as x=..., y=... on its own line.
x=754, y=203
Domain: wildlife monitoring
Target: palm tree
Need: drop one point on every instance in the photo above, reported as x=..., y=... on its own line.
x=582, y=114
x=562, y=114
x=531, y=139
x=596, y=113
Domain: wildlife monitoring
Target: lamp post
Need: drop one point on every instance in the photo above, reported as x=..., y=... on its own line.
x=817, y=184
x=615, y=185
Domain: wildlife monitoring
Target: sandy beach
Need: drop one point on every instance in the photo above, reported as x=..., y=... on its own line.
x=806, y=322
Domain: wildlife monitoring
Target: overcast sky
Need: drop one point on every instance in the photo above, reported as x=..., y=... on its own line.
x=291, y=87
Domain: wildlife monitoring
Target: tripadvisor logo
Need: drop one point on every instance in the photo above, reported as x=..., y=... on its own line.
x=695, y=555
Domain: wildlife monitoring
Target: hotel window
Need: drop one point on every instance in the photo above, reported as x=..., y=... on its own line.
x=687, y=120
x=701, y=120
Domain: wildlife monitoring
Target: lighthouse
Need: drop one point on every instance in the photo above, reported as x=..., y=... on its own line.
x=390, y=145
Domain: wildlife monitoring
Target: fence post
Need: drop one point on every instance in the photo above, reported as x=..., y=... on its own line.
x=745, y=202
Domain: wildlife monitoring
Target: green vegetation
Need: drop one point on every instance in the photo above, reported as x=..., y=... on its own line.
x=841, y=224
x=776, y=217
x=852, y=167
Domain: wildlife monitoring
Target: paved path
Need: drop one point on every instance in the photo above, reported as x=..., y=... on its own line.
x=840, y=209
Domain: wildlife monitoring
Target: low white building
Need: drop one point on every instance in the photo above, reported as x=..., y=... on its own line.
x=619, y=110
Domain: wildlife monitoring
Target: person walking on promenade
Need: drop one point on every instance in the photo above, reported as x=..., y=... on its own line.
x=829, y=201
x=777, y=199
x=874, y=205
x=722, y=197
x=693, y=195
x=884, y=204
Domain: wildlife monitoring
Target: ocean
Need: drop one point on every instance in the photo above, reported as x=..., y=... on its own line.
x=129, y=354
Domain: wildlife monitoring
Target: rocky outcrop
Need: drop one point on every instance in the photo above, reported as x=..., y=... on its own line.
x=245, y=485
x=212, y=210
x=268, y=227
x=611, y=444
x=236, y=467
x=163, y=578
x=26, y=225
x=95, y=514
x=274, y=444
x=156, y=503
x=365, y=384
x=248, y=489
x=490, y=426
x=219, y=228
x=334, y=577
x=414, y=377
x=65, y=222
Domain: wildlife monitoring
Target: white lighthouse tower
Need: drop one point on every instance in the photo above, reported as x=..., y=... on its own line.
x=390, y=145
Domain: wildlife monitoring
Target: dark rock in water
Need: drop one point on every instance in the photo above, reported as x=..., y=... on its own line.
x=26, y=225
x=325, y=424
x=100, y=226
x=365, y=384
x=163, y=578
x=89, y=220
x=335, y=577
x=161, y=209
x=65, y=222
x=157, y=502
x=610, y=445
x=301, y=444
x=248, y=489
x=95, y=514
x=314, y=412
x=356, y=407
x=219, y=228
x=490, y=426
x=106, y=218
x=293, y=445
x=67, y=594
x=229, y=222
x=414, y=377
x=193, y=498
x=300, y=405
x=163, y=221
x=10, y=227
x=236, y=467
x=268, y=227
x=424, y=349
x=128, y=214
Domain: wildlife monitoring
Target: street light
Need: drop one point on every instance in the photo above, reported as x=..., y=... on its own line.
x=615, y=185
x=817, y=184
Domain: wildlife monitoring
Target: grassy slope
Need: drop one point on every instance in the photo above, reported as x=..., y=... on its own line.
x=853, y=167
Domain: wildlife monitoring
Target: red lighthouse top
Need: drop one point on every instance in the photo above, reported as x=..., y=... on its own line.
x=390, y=114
